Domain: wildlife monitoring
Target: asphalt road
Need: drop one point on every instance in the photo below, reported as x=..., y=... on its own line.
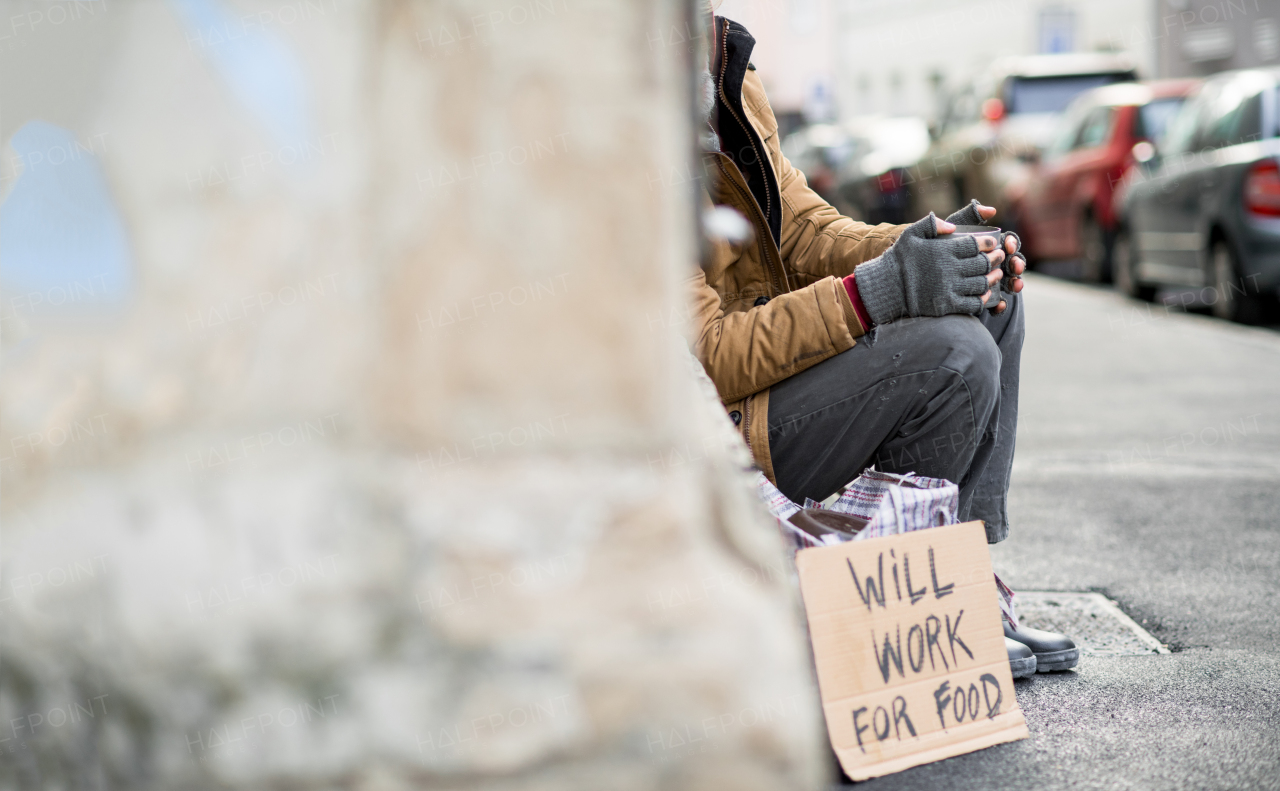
x=1148, y=469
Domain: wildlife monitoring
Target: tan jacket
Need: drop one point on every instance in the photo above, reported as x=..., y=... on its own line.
x=806, y=315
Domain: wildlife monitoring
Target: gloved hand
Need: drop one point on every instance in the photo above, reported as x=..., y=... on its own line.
x=924, y=275
x=1015, y=262
x=1011, y=256
x=969, y=215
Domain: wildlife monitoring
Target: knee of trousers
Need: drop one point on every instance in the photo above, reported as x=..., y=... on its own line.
x=973, y=354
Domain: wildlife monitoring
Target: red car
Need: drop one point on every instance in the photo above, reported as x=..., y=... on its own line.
x=1064, y=209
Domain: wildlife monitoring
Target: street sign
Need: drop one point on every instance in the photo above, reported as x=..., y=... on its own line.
x=910, y=653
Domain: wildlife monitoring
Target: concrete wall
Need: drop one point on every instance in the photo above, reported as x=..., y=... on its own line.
x=346, y=440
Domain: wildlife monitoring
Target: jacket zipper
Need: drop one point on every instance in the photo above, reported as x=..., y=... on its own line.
x=768, y=199
x=750, y=200
x=746, y=422
x=724, y=65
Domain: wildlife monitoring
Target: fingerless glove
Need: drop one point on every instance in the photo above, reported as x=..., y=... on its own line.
x=924, y=275
x=968, y=215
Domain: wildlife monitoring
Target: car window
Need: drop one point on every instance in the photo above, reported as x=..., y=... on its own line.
x=1154, y=116
x=1181, y=133
x=1068, y=131
x=1232, y=126
x=1232, y=114
x=1096, y=129
x=1053, y=94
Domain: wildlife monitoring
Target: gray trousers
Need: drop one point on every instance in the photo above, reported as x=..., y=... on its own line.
x=934, y=396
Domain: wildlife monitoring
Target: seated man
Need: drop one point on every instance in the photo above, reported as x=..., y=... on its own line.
x=837, y=345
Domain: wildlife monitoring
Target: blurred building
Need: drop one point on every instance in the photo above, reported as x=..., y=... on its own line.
x=795, y=53
x=904, y=57
x=1200, y=37
x=821, y=59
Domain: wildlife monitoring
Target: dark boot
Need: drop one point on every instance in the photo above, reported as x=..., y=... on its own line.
x=1021, y=659
x=1053, y=651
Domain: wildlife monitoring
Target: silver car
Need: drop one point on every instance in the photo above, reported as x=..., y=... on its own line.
x=1203, y=212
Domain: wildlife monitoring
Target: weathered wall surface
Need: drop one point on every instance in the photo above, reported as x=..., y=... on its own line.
x=344, y=444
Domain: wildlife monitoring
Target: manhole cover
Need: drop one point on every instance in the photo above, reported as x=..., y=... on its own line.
x=1096, y=624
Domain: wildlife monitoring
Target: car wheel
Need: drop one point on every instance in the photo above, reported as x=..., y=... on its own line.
x=1124, y=265
x=1231, y=300
x=1093, y=251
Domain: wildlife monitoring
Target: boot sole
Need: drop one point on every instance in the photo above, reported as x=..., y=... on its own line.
x=1023, y=667
x=1057, y=660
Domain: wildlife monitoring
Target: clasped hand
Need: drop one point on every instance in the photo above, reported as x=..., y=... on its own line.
x=977, y=214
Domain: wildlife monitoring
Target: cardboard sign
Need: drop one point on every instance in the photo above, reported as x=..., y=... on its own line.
x=909, y=648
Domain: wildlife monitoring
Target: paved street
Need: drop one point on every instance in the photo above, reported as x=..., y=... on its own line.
x=1148, y=469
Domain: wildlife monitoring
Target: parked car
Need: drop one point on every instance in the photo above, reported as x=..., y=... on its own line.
x=1064, y=211
x=873, y=181
x=993, y=133
x=1204, y=211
